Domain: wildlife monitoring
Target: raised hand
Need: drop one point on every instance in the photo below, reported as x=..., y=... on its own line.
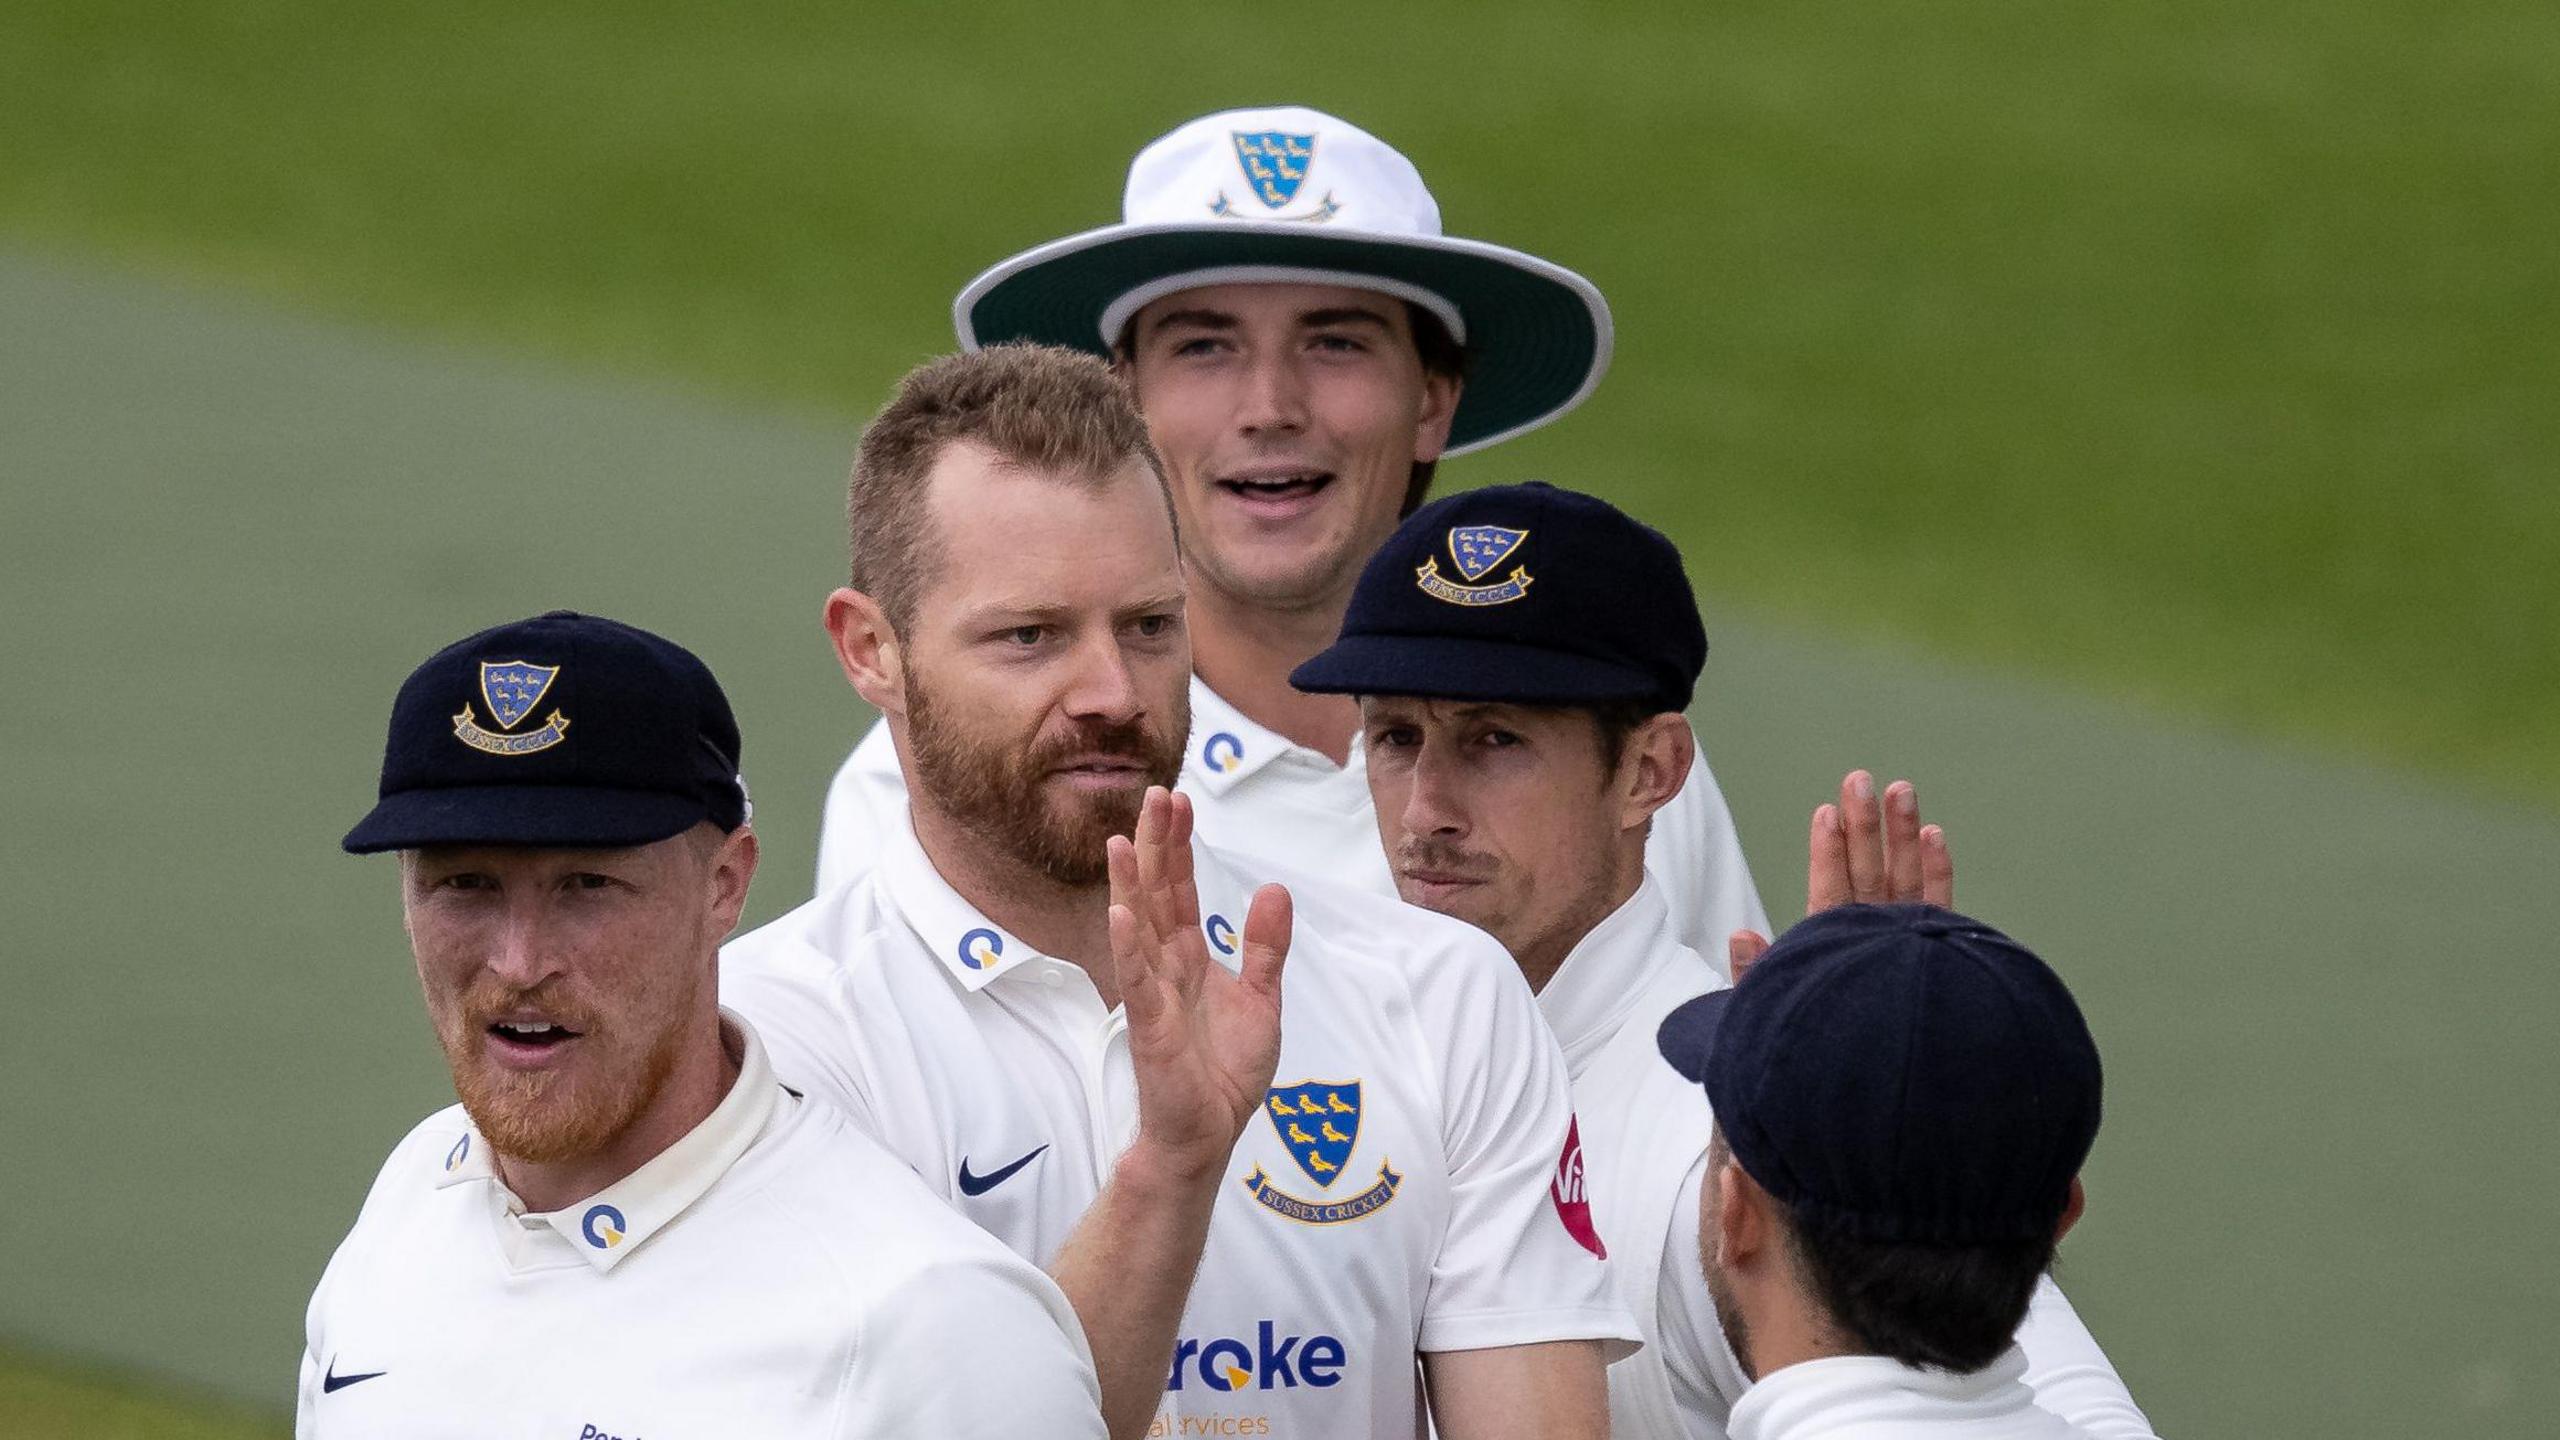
x=1203, y=1043
x=1865, y=850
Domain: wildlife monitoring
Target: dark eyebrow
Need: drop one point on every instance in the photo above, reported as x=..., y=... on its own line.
x=1342, y=315
x=1205, y=319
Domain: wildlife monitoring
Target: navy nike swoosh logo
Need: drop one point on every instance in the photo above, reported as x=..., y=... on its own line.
x=333, y=1382
x=981, y=1184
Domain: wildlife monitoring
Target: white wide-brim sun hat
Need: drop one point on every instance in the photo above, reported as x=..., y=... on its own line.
x=1288, y=195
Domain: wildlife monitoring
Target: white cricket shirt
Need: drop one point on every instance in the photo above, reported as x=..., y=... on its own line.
x=774, y=1273
x=1867, y=1397
x=1261, y=796
x=1411, y=1185
x=1645, y=1132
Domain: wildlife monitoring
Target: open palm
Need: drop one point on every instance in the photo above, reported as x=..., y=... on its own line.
x=1202, y=1042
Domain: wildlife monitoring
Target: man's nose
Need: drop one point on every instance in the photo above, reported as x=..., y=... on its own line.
x=1434, y=804
x=521, y=953
x=1105, y=687
x=1275, y=399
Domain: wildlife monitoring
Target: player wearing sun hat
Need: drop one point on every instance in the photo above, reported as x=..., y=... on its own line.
x=1521, y=655
x=1903, y=1098
x=628, y=1226
x=1305, y=343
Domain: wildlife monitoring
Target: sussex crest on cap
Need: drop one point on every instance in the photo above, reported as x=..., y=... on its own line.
x=1477, y=551
x=512, y=690
x=1274, y=164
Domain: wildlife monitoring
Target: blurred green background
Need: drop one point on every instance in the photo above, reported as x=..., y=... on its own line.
x=2132, y=422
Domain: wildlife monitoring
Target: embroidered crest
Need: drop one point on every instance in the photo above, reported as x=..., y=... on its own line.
x=1274, y=164
x=511, y=689
x=1476, y=550
x=1318, y=1122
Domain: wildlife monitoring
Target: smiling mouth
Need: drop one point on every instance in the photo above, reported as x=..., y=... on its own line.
x=535, y=1036
x=1279, y=487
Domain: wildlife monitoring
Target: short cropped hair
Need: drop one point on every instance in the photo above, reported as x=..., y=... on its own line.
x=1946, y=1307
x=1043, y=408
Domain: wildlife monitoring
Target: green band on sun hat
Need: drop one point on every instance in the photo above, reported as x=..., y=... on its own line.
x=1293, y=195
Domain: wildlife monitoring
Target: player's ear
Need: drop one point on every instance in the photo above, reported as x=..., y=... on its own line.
x=2071, y=1210
x=1739, y=1222
x=1439, y=408
x=733, y=869
x=1652, y=767
x=866, y=645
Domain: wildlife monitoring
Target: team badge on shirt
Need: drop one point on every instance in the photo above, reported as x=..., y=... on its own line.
x=511, y=689
x=1274, y=165
x=1476, y=550
x=1318, y=1122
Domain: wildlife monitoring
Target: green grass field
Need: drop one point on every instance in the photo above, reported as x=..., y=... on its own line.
x=2130, y=423
x=2195, y=354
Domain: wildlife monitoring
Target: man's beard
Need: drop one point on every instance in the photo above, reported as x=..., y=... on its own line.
x=547, y=1116
x=999, y=791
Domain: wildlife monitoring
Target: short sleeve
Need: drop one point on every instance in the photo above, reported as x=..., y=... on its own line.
x=867, y=794
x=974, y=1347
x=1696, y=859
x=796, y=1001
x=1521, y=1261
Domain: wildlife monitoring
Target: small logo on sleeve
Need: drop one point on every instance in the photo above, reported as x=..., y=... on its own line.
x=1573, y=1203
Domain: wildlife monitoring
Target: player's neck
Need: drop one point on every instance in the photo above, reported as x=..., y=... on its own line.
x=706, y=1068
x=1070, y=922
x=1245, y=653
x=1540, y=958
x=1787, y=1328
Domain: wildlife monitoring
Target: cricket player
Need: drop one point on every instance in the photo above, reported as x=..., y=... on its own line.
x=1520, y=740
x=628, y=1227
x=1902, y=1099
x=1305, y=344
x=1267, y=1192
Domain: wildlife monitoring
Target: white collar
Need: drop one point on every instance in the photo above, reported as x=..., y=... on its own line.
x=975, y=950
x=615, y=1221
x=1607, y=975
x=1228, y=746
x=1848, y=1390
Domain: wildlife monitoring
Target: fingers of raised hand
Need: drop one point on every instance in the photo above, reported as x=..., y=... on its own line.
x=1937, y=868
x=1902, y=841
x=1863, y=815
x=1826, y=875
x=1129, y=951
x=1268, y=926
x=1742, y=950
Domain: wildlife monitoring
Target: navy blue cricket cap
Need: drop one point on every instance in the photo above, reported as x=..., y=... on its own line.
x=1899, y=1074
x=565, y=731
x=1521, y=594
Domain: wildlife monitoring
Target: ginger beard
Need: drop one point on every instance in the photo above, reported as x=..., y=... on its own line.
x=582, y=1104
x=998, y=786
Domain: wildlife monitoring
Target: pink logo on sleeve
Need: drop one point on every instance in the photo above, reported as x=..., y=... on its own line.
x=1573, y=1206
